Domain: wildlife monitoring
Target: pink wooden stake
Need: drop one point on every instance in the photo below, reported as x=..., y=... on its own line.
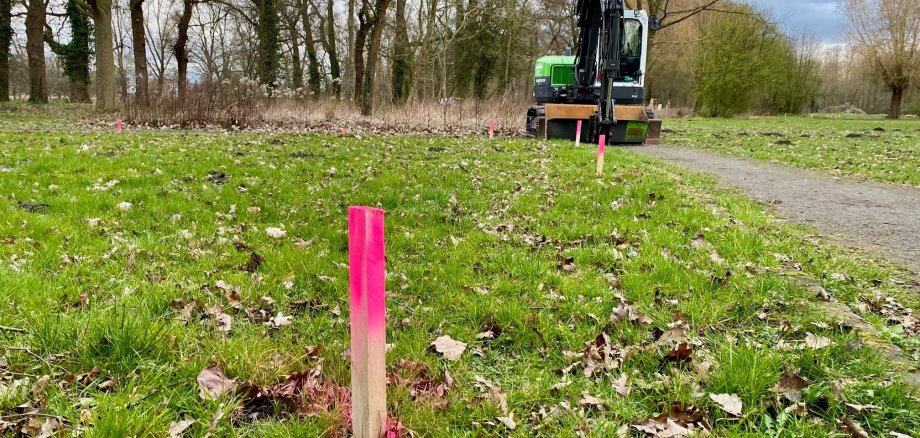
x=341, y=132
x=491, y=129
x=368, y=321
x=118, y=126
x=578, y=133
x=601, y=145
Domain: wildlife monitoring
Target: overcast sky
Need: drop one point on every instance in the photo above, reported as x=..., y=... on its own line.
x=819, y=18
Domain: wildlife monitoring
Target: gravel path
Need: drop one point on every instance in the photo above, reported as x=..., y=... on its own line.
x=884, y=218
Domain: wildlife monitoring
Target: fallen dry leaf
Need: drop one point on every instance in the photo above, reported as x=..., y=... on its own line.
x=212, y=383
x=853, y=428
x=278, y=320
x=621, y=386
x=791, y=385
x=590, y=400
x=178, y=428
x=679, y=421
x=729, y=403
x=816, y=342
x=275, y=232
x=450, y=348
x=861, y=408
x=508, y=421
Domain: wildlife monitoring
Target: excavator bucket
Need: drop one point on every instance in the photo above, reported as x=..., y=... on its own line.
x=633, y=123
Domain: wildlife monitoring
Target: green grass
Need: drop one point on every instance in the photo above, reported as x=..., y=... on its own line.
x=891, y=154
x=476, y=232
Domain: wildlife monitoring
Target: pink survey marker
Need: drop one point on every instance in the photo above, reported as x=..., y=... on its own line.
x=578, y=133
x=368, y=320
x=601, y=145
x=118, y=126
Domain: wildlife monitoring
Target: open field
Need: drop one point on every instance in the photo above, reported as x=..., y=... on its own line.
x=863, y=146
x=131, y=263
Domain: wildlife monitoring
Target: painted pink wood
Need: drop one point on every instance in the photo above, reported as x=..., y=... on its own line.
x=491, y=129
x=366, y=254
x=601, y=145
x=578, y=133
x=118, y=126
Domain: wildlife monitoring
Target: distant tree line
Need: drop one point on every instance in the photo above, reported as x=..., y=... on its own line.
x=717, y=57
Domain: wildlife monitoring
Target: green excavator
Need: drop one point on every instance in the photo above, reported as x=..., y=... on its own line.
x=602, y=84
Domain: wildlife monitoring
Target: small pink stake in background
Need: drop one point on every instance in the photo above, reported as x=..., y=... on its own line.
x=601, y=145
x=491, y=129
x=118, y=126
x=577, y=133
x=341, y=132
x=368, y=321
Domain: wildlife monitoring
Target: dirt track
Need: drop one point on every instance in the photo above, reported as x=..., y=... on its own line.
x=883, y=218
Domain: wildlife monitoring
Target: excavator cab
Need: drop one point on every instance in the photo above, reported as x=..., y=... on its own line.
x=603, y=85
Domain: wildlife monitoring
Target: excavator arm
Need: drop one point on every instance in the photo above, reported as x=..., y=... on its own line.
x=597, y=62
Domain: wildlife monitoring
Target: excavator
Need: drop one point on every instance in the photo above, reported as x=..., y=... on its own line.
x=602, y=85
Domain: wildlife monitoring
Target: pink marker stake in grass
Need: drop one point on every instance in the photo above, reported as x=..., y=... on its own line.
x=368, y=322
x=118, y=126
x=578, y=133
x=491, y=129
x=601, y=145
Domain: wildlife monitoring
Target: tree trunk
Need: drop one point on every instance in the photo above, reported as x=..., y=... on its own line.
x=329, y=44
x=179, y=49
x=402, y=65
x=75, y=55
x=349, y=85
x=296, y=67
x=105, y=55
x=139, y=43
x=897, y=94
x=310, y=48
x=367, y=87
x=35, y=50
x=6, y=37
x=357, y=50
x=269, y=43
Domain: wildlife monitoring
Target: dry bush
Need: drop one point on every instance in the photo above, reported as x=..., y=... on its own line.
x=246, y=106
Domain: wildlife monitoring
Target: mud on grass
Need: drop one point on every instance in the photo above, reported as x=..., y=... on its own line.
x=587, y=304
x=862, y=146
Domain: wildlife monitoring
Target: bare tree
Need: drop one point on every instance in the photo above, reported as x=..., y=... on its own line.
x=101, y=13
x=329, y=45
x=35, y=49
x=179, y=48
x=6, y=37
x=886, y=34
x=161, y=32
x=139, y=45
x=371, y=21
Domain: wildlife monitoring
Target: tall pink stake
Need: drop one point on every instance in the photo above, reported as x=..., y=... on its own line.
x=368, y=322
x=601, y=145
x=491, y=129
x=118, y=126
x=578, y=133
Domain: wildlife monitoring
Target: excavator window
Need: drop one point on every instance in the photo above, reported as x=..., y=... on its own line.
x=630, y=50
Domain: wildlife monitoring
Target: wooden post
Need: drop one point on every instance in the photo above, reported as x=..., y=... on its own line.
x=601, y=144
x=578, y=133
x=491, y=129
x=118, y=126
x=368, y=322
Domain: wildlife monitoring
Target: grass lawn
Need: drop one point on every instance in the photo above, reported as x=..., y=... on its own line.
x=588, y=304
x=864, y=146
